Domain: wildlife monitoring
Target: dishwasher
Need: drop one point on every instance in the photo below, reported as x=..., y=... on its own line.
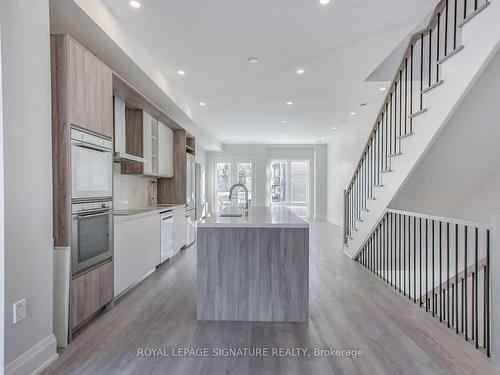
x=167, y=235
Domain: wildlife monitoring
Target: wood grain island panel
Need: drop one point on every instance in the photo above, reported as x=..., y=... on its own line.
x=254, y=273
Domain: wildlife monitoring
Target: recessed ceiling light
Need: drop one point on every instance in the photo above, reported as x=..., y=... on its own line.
x=324, y=2
x=283, y=121
x=353, y=113
x=134, y=4
x=253, y=60
x=383, y=89
x=289, y=103
x=181, y=72
x=300, y=71
x=334, y=128
x=203, y=104
x=213, y=122
x=363, y=104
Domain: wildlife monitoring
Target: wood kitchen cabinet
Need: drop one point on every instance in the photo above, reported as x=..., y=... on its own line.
x=90, y=90
x=90, y=291
x=165, y=151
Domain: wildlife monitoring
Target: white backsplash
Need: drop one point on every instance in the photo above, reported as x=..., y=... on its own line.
x=130, y=191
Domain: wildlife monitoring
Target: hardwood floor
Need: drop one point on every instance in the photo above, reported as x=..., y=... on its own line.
x=349, y=308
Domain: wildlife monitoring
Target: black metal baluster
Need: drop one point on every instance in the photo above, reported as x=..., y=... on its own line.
x=404, y=255
x=455, y=25
x=426, y=265
x=473, y=310
x=394, y=234
x=399, y=258
x=414, y=260
x=387, y=247
x=456, y=277
x=411, y=88
x=406, y=91
x=487, y=293
x=421, y=70
x=420, y=261
x=382, y=228
x=430, y=56
x=465, y=9
x=446, y=30
x=433, y=271
x=400, y=100
x=409, y=258
x=476, y=295
x=437, y=45
x=466, y=322
x=448, y=276
x=440, y=273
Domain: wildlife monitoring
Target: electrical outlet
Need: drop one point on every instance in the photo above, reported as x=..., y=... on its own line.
x=19, y=311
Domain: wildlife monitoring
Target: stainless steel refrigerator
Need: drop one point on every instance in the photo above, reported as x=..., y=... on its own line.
x=190, y=200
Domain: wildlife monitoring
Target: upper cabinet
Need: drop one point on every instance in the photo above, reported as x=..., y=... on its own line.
x=165, y=151
x=90, y=91
x=157, y=148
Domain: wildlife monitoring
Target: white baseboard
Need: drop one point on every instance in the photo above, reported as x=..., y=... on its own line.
x=332, y=220
x=35, y=359
x=320, y=218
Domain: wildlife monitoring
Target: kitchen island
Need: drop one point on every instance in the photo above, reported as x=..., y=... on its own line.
x=253, y=268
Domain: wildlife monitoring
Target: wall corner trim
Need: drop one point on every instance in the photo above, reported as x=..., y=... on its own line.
x=35, y=359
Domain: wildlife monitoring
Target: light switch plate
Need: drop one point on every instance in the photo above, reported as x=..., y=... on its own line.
x=19, y=312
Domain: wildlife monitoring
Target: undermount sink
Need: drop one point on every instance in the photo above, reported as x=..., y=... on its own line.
x=231, y=215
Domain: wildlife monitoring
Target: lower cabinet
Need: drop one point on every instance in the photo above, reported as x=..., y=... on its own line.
x=179, y=228
x=90, y=291
x=136, y=249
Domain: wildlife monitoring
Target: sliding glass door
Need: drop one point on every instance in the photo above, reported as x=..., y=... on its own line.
x=227, y=173
x=289, y=185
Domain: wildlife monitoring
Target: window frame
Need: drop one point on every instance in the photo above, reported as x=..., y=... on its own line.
x=234, y=174
x=288, y=186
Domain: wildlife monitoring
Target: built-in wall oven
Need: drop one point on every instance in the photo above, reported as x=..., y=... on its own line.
x=91, y=166
x=92, y=202
x=92, y=234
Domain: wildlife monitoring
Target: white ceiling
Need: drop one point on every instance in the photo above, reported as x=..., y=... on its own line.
x=338, y=45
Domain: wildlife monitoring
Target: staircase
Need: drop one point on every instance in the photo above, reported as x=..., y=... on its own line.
x=440, y=65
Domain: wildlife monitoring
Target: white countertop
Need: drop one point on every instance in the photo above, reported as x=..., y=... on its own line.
x=136, y=213
x=258, y=217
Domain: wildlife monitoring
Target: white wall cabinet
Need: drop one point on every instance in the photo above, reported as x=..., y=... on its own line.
x=136, y=249
x=179, y=227
x=165, y=151
x=158, y=148
x=150, y=139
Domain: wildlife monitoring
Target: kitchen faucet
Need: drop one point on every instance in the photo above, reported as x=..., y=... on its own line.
x=152, y=193
x=246, y=194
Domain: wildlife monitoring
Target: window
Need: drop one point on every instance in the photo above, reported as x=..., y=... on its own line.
x=222, y=183
x=289, y=185
x=229, y=172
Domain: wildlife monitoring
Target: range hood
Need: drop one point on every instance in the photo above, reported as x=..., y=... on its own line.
x=121, y=155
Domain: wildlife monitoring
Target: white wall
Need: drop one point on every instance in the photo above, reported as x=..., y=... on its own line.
x=459, y=177
x=343, y=154
x=261, y=154
x=28, y=182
